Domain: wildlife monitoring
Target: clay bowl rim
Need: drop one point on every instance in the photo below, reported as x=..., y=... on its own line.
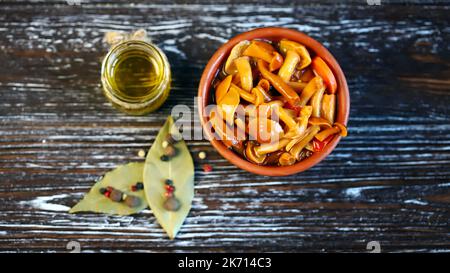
x=273, y=34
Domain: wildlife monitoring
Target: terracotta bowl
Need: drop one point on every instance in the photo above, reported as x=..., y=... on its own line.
x=273, y=34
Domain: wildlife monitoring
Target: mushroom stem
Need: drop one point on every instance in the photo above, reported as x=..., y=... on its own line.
x=266, y=52
x=302, y=124
x=284, y=116
x=244, y=94
x=305, y=114
x=222, y=88
x=327, y=132
x=286, y=159
x=319, y=121
x=305, y=58
x=316, y=102
x=223, y=131
x=282, y=87
x=297, y=86
x=228, y=104
x=313, y=86
x=297, y=148
x=251, y=154
x=245, y=72
x=288, y=67
x=328, y=107
x=337, y=128
x=266, y=148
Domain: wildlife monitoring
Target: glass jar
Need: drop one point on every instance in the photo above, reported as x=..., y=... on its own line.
x=136, y=77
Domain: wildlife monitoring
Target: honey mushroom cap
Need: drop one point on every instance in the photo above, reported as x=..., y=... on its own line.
x=342, y=129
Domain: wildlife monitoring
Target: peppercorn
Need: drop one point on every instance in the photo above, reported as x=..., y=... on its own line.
x=170, y=188
x=102, y=190
x=139, y=185
x=168, y=194
x=164, y=158
x=172, y=204
x=207, y=168
x=116, y=195
x=141, y=153
x=170, y=151
x=170, y=139
x=132, y=201
x=164, y=144
x=168, y=182
x=202, y=155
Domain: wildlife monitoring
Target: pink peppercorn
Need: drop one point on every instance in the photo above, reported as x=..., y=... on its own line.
x=168, y=194
x=207, y=168
x=169, y=188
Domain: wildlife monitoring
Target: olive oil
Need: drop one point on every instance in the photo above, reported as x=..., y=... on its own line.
x=136, y=74
x=136, y=77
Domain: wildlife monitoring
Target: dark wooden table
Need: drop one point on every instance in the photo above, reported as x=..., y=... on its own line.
x=389, y=181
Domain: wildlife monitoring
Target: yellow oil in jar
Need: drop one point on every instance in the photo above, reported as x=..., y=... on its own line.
x=136, y=74
x=136, y=77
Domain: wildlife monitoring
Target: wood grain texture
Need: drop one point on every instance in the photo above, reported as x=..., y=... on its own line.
x=388, y=181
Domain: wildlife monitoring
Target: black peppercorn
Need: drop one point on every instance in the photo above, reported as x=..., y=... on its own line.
x=168, y=182
x=164, y=158
x=139, y=186
x=102, y=190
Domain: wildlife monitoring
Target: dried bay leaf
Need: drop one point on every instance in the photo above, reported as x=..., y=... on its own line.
x=180, y=169
x=121, y=178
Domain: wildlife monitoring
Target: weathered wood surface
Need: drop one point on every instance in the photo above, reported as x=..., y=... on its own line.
x=389, y=181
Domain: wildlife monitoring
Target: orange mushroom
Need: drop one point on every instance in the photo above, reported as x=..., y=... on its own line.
x=264, y=130
x=223, y=131
x=305, y=58
x=289, y=65
x=286, y=159
x=301, y=144
x=265, y=148
x=337, y=128
x=321, y=68
x=297, y=86
x=245, y=72
x=222, y=88
x=319, y=121
x=328, y=107
x=251, y=154
x=236, y=52
x=228, y=104
x=266, y=53
x=282, y=87
x=315, y=85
